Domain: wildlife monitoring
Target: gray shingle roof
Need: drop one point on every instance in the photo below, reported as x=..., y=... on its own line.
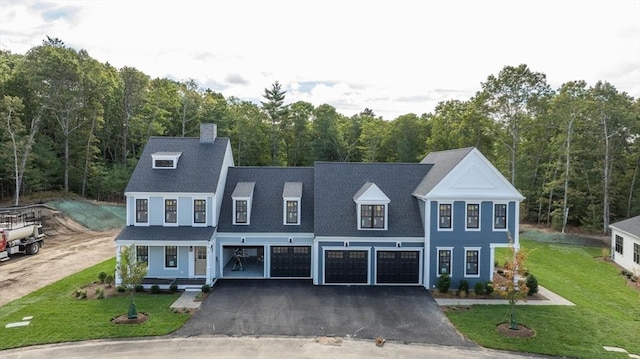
x=198, y=168
x=159, y=233
x=630, y=225
x=267, y=204
x=443, y=162
x=337, y=183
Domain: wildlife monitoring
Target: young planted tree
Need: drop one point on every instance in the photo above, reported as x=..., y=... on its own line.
x=512, y=284
x=131, y=273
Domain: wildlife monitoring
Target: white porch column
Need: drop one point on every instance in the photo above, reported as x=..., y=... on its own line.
x=118, y=252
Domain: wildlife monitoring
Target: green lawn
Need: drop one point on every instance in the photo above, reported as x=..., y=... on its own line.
x=607, y=311
x=59, y=317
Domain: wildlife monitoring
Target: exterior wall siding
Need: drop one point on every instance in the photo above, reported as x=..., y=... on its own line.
x=156, y=211
x=185, y=211
x=156, y=263
x=625, y=260
x=460, y=238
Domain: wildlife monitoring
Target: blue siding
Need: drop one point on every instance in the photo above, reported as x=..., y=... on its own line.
x=156, y=263
x=185, y=211
x=156, y=211
x=459, y=238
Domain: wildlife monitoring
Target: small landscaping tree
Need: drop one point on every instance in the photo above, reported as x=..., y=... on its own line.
x=511, y=284
x=131, y=273
x=444, y=282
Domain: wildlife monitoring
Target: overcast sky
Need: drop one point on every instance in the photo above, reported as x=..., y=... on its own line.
x=394, y=57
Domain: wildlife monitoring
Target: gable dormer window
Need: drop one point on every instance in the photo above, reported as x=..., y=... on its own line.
x=242, y=197
x=165, y=160
x=372, y=208
x=291, y=196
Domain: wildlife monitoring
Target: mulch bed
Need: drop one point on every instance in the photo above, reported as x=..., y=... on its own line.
x=123, y=319
x=522, y=332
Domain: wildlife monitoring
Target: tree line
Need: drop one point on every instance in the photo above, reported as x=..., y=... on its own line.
x=71, y=123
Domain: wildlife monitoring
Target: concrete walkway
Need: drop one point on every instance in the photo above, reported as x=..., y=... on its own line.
x=188, y=300
x=550, y=299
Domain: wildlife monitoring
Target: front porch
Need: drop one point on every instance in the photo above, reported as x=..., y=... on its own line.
x=180, y=283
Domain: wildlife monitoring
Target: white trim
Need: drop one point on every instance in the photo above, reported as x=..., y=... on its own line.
x=359, y=214
x=170, y=194
x=463, y=181
x=193, y=212
x=438, y=249
x=234, y=214
x=466, y=249
x=506, y=218
x=135, y=212
x=370, y=239
x=438, y=204
x=284, y=210
x=165, y=156
x=164, y=257
x=466, y=216
x=164, y=212
x=148, y=256
x=492, y=256
x=346, y=248
x=427, y=242
x=398, y=249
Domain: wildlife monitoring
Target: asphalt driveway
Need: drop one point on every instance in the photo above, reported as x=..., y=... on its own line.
x=298, y=308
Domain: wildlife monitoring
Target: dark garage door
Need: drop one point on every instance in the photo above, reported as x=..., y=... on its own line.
x=291, y=261
x=398, y=267
x=345, y=266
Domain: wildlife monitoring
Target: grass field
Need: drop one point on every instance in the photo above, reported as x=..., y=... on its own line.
x=96, y=217
x=607, y=311
x=59, y=317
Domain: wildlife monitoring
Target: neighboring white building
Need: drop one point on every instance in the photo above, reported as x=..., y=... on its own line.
x=625, y=244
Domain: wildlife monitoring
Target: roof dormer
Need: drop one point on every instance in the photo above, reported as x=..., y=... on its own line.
x=165, y=160
x=372, y=207
x=242, y=197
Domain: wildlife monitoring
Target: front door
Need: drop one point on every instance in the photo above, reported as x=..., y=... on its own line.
x=200, y=267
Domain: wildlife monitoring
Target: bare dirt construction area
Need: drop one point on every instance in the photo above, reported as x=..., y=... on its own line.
x=69, y=247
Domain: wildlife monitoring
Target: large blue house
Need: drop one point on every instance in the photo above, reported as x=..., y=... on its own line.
x=195, y=218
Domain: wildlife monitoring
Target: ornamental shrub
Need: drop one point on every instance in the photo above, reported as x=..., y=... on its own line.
x=444, y=282
x=173, y=288
x=101, y=277
x=464, y=286
x=488, y=288
x=155, y=289
x=478, y=288
x=206, y=288
x=532, y=284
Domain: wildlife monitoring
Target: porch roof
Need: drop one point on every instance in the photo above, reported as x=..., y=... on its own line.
x=171, y=234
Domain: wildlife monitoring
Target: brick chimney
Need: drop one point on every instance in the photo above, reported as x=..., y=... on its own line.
x=208, y=132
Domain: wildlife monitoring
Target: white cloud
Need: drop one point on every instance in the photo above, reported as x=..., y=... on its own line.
x=394, y=57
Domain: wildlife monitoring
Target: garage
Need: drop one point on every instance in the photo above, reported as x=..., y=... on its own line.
x=397, y=267
x=290, y=261
x=346, y=266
